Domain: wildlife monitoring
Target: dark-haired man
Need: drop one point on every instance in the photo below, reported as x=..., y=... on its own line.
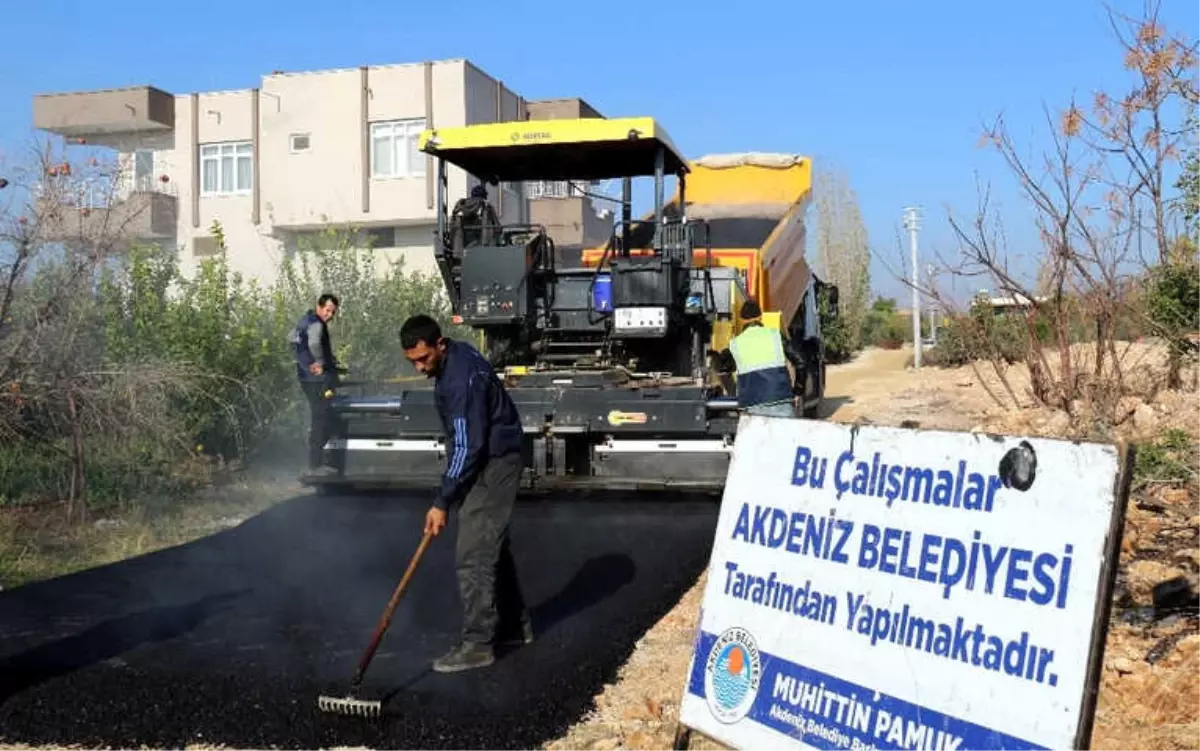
x=317, y=371
x=482, y=476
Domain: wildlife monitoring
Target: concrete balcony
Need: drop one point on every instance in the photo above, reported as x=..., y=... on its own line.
x=106, y=113
x=138, y=215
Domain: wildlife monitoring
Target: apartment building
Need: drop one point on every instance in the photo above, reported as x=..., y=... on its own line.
x=301, y=151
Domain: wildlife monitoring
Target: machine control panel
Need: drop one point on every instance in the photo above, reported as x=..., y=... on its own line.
x=643, y=321
x=492, y=299
x=494, y=284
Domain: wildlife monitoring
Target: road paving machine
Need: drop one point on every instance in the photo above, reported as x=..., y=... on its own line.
x=610, y=359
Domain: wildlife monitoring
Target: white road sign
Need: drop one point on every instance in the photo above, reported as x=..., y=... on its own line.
x=885, y=588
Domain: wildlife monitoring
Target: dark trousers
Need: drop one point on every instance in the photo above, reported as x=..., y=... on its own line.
x=320, y=421
x=493, y=606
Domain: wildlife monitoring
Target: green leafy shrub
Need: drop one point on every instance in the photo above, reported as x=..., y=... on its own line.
x=884, y=327
x=1173, y=304
x=980, y=335
x=1169, y=458
x=837, y=333
x=185, y=375
x=225, y=334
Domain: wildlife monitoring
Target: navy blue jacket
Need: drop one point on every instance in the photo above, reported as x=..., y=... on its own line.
x=310, y=343
x=479, y=418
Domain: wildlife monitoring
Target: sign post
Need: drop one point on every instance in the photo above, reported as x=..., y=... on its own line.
x=883, y=588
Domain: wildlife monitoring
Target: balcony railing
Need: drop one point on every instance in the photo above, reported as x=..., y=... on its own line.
x=107, y=209
x=100, y=192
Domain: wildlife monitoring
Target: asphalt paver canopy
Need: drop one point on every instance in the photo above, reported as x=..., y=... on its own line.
x=229, y=640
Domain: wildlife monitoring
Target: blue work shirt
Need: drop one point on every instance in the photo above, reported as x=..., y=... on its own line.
x=479, y=418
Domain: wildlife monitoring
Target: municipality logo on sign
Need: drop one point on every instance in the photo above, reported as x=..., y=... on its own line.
x=732, y=675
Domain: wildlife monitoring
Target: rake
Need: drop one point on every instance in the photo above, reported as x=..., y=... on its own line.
x=351, y=704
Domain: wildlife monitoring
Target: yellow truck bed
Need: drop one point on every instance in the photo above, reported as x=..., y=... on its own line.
x=755, y=205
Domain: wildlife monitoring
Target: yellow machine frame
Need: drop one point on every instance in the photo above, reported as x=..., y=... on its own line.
x=578, y=149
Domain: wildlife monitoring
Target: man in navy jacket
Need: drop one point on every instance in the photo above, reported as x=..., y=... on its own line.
x=482, y=476
x=317, y=370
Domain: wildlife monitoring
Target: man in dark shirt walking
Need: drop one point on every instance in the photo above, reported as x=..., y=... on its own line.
x=482, y=476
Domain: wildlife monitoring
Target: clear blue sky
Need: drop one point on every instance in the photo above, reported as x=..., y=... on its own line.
x=891, y=92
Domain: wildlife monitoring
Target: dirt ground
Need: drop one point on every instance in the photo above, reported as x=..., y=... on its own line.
x=1150, y=693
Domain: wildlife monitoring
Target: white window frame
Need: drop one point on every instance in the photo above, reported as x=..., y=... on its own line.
x=217, y=152
x=403, y=136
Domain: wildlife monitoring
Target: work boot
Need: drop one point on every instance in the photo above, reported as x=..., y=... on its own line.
x=465, y=656
x=514, y=638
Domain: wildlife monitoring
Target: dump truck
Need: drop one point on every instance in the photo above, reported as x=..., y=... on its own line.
x=612, y=361
x=753, y=208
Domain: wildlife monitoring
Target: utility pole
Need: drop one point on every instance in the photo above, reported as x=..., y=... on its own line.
x=911, y=223
x=933, y=308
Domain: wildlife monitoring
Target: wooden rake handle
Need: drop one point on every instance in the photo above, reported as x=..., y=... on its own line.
x=386, y=620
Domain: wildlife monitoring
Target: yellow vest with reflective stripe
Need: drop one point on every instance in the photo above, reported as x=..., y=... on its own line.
x=762, y=374
x=757, y=348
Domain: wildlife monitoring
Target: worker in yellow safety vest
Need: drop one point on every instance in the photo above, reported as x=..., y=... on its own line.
x=761, y=356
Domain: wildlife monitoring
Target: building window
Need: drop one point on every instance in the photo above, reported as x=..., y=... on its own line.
x=298, y=142
x=143, y=170
x=226, y=168
x=394, y=149
x=380, y=237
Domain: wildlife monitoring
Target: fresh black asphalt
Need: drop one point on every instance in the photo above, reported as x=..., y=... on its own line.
x=230, y=639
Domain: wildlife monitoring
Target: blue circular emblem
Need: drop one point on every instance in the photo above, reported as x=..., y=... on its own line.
x=732, y=674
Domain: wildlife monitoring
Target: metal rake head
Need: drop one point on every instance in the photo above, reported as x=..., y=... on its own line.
x=348, y=705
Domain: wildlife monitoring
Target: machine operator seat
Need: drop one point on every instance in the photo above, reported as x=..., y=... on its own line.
x=473, y=221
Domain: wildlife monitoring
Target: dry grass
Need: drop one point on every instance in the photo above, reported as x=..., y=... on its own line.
x=1143, y=705
x=1142, y=366
x=37, y=542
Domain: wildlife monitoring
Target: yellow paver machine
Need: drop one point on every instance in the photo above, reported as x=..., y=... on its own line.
x=609, y=358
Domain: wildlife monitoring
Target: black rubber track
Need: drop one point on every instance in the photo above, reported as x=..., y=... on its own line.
x=230, y=639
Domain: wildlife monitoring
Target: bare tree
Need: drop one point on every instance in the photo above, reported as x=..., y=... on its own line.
x=843, y=251
x=1145, y=127
x=1103, y=171
x=62, y=222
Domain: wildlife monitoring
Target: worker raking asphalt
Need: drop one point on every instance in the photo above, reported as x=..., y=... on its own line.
x=228, y=640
